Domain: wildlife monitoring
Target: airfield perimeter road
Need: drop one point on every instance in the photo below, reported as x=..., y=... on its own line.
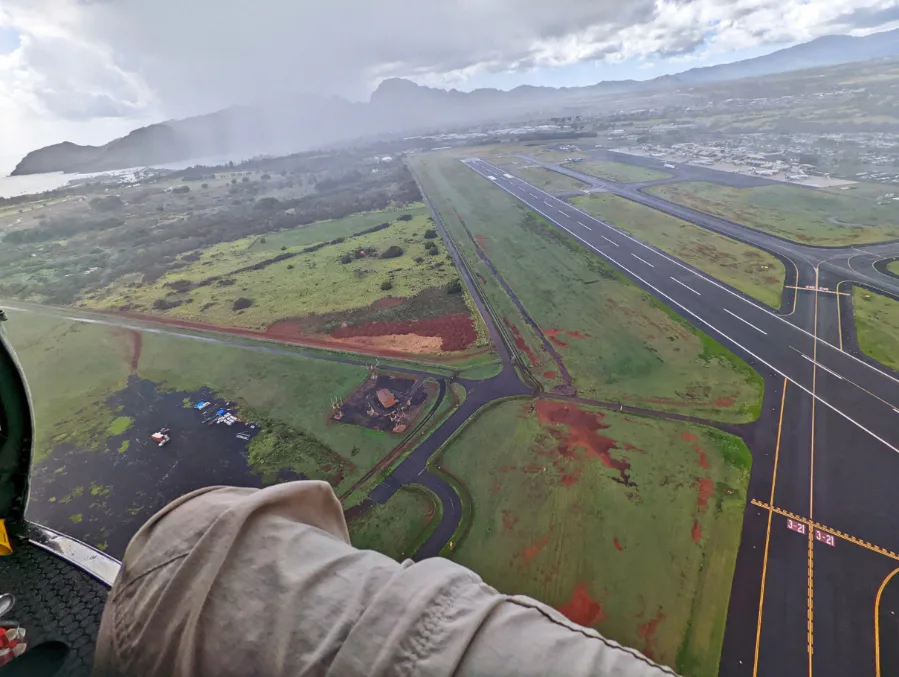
x=825, y=466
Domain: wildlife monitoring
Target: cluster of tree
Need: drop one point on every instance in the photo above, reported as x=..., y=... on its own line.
x=340, y=181
x=392, y=252
x=61, y=228
x=110, y=203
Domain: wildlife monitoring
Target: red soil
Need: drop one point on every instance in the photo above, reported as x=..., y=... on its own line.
x=388, y=302
x=509, y=520
x=706, y=489
x=703, y=458
x=553, y=335
x=482, y=241
x=688, y=437
x=582, y=433
x=618, y=546
x=550, y=374
x=582, y=609
x=284, y=331
x=520, y=342
x=724, y=402
x=647, y=632
x=481, y=278
x=456, y=331
x=696, y=531
x=575, y=335
x=531, y=552
x=569, y=480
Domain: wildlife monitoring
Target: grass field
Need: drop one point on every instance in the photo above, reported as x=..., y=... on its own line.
x=396, y=528
x=627, y=524
x=551, y=182
x=73, y=369
x=617, y=342
x=894, y=267
x=746, y=268
x=306, y=284
x=815, y=217
x=617, y=171
x=877, y=326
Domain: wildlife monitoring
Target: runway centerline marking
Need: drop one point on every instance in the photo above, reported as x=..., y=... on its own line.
x=820, y=366
x=585, y=226
x=686, y=287
x=830, y=530
x=747, y=322
x=608, y=240
x=643, y=260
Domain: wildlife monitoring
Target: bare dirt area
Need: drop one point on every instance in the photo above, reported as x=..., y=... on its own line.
x=385, y=403
x=457, y=332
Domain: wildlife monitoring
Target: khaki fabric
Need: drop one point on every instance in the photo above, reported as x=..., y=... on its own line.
x=246, y=582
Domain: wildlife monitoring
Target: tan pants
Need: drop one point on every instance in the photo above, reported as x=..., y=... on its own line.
x=228, y=581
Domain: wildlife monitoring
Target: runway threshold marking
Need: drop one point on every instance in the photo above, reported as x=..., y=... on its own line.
x=761, y=331
x=758, y=633
x=826, y=529
x=683, y=285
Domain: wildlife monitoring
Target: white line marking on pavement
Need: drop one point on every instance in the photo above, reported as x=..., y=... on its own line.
x=608, y=240
x=546, y=202
x=745, y=322
x=685, y=286
x=821, y=366
x=584, y=225
x=643, y=260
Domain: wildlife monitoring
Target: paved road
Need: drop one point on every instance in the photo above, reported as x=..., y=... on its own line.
x=826, y=453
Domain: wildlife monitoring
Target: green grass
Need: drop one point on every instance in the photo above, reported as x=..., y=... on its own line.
x=751, y=270
x=877, y=326
x=73, y=368
x=620, y=344
x=309, y=283
x=816, y=217
x=617, y=171
x=550, y=181
x=119, y=425
x=893, y=267
x=552, y=520
x=398, y=527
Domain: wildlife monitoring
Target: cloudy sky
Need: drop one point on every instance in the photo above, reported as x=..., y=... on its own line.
x=91, y=70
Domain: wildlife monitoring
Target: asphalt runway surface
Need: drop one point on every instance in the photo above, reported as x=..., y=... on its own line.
x=820, y=533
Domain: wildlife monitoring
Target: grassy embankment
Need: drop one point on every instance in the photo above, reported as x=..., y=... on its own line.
x=617, y=171
x=549, y=181
x=618, y=343
x=751, y=270
x=877, y=326
x=627, y=524
x=817, y=217
x=894, y=267
x=398, y=527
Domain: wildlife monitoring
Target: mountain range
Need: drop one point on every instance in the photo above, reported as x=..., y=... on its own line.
x=399, y=105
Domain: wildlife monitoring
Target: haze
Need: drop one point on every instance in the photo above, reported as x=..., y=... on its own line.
x=88, y=71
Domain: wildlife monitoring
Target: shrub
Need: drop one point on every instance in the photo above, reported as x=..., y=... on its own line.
x=346, y=258
x=290, y=266
x=205, y=185
x=262, y=240
x=454, y=287
x=181, y=189
x=419, y=259
x=430, y=245
x=110, y=203
x=241, y=303
x=233, y=181
x=267, y=204
x=430, y=234
x=386, y=285
x=433, y=252
x=283, y=249
x=265, y=177
x=404, y=217
x=245, y=179
x=392, y=252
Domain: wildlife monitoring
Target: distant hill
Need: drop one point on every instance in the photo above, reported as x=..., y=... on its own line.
x=399, y=105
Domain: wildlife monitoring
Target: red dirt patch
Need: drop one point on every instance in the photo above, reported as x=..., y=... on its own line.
x=456, y=331
x=482, y=241
x=582, y=609
x=582, y=427
x=550, y=374
x=706, y=490
x=618, y=546
x=688, y=437
x=569, y=480
x=724, y=402
x=531, y=552
x=520, y=343
x=647, y=632
x=553, y=335
x=509, y=520
x=575, y=334
x=388, y=302
x=696, y=531
x=703, y=458
x=481, y=278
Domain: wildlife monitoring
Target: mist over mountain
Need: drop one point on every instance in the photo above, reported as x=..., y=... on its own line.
x=398, y=105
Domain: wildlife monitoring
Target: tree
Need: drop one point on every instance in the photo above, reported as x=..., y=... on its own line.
x=231, y=164
x=346, y=258
x=205, y=185
x=404, y=217
x=265, y=177
x=111, y=203
x=386, y=285
x=454, y=287
x=430, y=234
x=245, y=179
x=392, y=252
x=433, y=251
x=241, y=303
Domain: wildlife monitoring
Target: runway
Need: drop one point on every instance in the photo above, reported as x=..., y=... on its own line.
x=819, y=536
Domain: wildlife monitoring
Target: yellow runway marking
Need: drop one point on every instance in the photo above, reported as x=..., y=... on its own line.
x=877, y=620
x=758, y=632
x=811, y=489
x=826, y=529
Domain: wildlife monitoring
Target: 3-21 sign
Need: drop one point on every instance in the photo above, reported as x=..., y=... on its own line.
x=826, y=538
x=798, y=527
